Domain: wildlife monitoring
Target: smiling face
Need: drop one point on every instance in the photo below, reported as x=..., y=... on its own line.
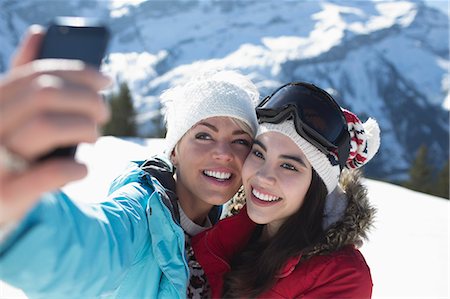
x=209, y=160
x=276, y=177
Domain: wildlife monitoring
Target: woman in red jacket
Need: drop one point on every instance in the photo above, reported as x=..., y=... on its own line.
x=298, y=234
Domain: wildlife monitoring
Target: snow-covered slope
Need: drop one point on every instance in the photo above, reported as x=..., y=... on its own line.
x=387, y=59
x=407, y=251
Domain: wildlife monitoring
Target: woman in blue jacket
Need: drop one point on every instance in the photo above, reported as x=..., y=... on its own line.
x=136, y=243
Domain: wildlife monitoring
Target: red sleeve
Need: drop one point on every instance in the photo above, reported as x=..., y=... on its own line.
x=344, y=276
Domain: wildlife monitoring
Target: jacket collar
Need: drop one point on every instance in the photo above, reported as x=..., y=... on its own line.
x=163, y=171
x=353, y=223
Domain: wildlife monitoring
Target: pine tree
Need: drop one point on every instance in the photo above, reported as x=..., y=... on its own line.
x=122, y=122
x=421, y=173
x=159, y=126
x=442, y=184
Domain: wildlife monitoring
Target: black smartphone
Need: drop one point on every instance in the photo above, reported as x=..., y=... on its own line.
x=74, y=38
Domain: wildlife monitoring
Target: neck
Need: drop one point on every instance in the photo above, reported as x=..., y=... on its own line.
x=195, y=209
x=269, y=230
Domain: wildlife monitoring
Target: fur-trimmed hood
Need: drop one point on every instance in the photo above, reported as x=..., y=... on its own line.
x=354, y=220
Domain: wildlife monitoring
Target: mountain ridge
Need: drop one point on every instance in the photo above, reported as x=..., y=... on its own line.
x=378, y=59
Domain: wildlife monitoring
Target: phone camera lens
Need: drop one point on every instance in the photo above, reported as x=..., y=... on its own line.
x=64, y=30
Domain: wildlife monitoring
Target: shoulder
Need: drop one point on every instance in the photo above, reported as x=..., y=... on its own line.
x=133, y=175
x=343, y=273
x=346, y=264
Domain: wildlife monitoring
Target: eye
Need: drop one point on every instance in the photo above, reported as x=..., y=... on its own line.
x=243, y=142
x=258, y=154
x=203, y=136
x=288, y=166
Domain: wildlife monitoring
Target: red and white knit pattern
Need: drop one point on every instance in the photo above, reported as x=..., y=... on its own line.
x=364, y=140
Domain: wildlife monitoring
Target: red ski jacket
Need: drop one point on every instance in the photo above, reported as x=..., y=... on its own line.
x=336, y=270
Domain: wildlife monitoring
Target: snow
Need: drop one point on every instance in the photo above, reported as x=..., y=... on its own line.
x=408, y=250
x=132, y=66
x=119, y=8
x=446, y=103
x=393, y=10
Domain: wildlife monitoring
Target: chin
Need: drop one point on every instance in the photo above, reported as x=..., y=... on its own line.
x=217, y=201
x=256, y=217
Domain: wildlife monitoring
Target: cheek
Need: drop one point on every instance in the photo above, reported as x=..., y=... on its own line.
x=248, y=169
x=296, y=190
x=241, y=155
x=193, y=152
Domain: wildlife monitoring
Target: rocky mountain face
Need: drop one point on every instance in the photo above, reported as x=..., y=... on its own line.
x=388, y=60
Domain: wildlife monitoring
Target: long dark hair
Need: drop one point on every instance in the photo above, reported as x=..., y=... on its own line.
x=254, y=269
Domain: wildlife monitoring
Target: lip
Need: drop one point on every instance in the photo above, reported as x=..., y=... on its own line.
x=260, y=202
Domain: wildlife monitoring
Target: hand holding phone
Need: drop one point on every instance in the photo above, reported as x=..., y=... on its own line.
x=74, y=38
x=43, y=105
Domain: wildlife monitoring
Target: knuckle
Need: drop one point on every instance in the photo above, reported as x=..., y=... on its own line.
x=88, y=131
x=44, y=96
x=44, y=92
x=42, y=125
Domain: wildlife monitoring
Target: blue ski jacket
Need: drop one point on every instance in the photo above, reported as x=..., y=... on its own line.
x=129, y=246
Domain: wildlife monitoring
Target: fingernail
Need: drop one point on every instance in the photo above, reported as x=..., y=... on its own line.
x=35, y=28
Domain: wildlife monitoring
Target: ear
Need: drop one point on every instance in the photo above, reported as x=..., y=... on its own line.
x=174, y=158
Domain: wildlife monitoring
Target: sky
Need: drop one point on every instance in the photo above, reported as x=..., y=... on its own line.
x=407, y=251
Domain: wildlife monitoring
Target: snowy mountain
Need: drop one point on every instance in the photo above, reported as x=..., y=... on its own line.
x=407, y=249
x=386, y=59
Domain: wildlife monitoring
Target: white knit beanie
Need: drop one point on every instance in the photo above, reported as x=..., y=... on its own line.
x=365, y=141
x=223, y=93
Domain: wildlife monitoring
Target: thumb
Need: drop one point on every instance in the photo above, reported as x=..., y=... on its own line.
x=28, y=49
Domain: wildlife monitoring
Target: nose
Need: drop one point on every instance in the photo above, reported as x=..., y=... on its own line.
x=265, y=176
x=223, y=152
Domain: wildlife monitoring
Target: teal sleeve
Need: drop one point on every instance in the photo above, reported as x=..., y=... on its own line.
x=67, y=249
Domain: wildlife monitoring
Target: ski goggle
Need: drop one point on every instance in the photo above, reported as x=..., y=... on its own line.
x=316, y=115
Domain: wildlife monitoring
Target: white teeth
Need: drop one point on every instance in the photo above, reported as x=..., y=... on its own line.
x=264, y=197
x=217, y=174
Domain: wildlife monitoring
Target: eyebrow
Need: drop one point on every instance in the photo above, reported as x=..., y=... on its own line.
x=215, y=129
x=289, y=157
x=294, y=158
x=257, y=142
